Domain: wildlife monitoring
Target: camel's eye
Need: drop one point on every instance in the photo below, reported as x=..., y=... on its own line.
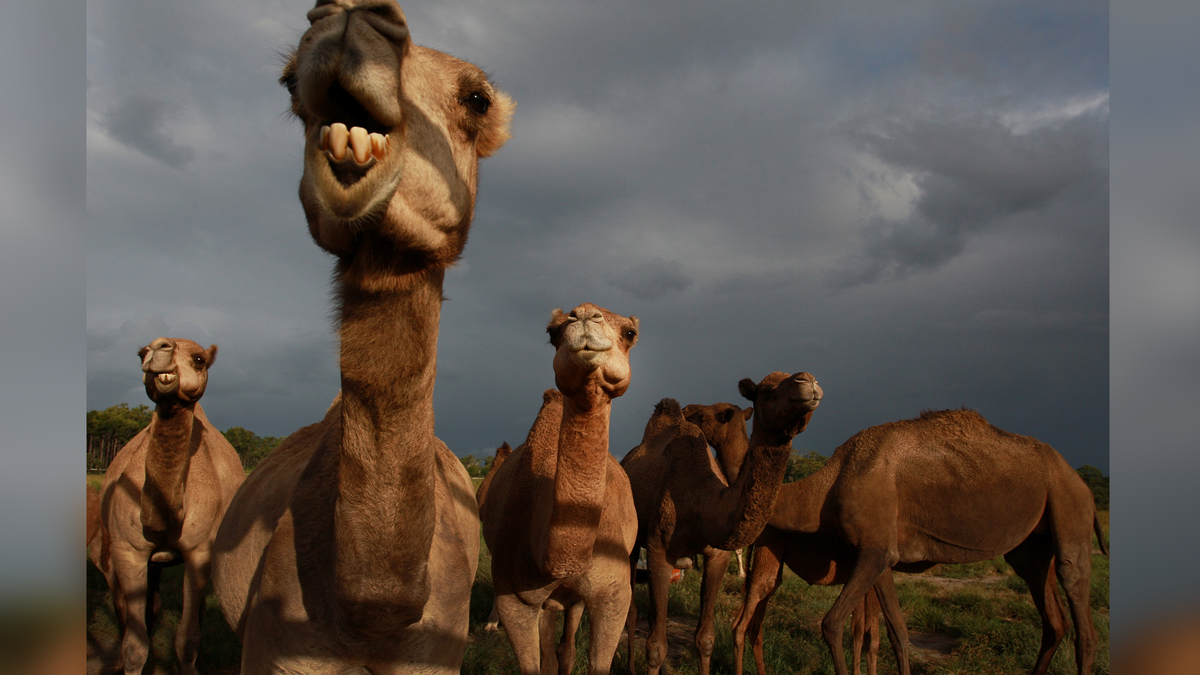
x=199, y=361
x=630, y=334
x=290, y=82
x=477, y=102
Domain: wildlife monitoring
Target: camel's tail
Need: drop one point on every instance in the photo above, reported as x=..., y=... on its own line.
x=1099, y=534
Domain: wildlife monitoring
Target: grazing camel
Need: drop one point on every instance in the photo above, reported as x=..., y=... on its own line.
x=163, y=496
x=558, y=514
x=685, y=506
x=353, y=546
x=947, y=487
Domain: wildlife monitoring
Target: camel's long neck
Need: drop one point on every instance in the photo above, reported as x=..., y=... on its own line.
x=384, y=515
x=580, y=478
x=743, y=508
x=168, y=458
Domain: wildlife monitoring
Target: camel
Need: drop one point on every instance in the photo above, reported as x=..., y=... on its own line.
x=558, y=514
x=814, y=558
x=948, y=487
x=353, y=546
x=162, y=499
x=818, y=559
x=685, y=505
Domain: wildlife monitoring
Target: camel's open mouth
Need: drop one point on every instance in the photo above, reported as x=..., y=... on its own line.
x=356, y=141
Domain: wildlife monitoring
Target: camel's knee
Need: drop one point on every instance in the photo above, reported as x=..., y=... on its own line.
x=134, y=651
x=831, y=632
x=656, y=653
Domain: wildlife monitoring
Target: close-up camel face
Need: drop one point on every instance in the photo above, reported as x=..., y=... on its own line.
x=393, y=131
x=593, y=346
x=783, y=402
x=174, y=367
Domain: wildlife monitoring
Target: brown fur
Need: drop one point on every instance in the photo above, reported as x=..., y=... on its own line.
x=686, y=506
x=354, y=544
x=93, y=514
x=947, y=487
x=162, y=499
x=558, y=514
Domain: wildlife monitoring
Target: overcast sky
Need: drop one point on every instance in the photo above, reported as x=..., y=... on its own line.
x=908, y=200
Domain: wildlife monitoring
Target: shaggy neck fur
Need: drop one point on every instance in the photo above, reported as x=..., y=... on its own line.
x=579, y=485
x=168, y=457
x=384, y=518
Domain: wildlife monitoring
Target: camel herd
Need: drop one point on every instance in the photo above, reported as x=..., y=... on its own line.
x=353, y=547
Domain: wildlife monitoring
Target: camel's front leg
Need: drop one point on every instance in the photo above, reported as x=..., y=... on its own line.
x=766, y=572
x=130, y=570
x=716, y=564
x=187, y=636
x=521, y=623
x=631, y=616
x=606, y=611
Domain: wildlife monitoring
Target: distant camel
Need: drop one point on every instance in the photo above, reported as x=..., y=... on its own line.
x=163, y=497
x=353, y=546
x=685, y=506
x=558, y=514
x=947, y=487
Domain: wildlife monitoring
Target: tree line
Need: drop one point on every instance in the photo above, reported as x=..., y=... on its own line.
x=109, y=430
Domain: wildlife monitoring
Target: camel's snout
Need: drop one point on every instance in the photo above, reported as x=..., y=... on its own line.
x=159, y=357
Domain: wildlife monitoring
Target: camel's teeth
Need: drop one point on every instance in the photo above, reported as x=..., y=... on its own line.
x=339, y=136
x=360, y=144
x=379, y=146
x=323, y=143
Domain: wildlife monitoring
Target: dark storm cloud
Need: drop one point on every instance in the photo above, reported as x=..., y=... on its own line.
x=142, y=123
x=652, y=279
x=972, y=175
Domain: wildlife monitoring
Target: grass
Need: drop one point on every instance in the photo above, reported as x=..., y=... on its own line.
x=984, y=608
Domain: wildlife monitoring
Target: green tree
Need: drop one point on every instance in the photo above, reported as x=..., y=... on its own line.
x=803, y=465
x=1098, y=482
x=474, y=468
x=250, y=447
x=110, y=429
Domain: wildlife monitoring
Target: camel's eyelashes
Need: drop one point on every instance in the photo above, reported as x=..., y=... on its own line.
x=478, y=103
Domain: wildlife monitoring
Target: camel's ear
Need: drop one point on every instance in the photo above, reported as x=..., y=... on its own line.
x=726, y=416
x=557, y=319
x=691, y=414
x=748, y=413
x=498, y=127
x=210, y=356
x=748, y=389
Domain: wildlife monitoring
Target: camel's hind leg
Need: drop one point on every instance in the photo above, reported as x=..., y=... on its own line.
x=547, y=622
x=889, y=602
x=716, y=564
x=872, y=563
x=766, y=571
x=566, y=646
x=1073, y=566
x=1033, y=561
